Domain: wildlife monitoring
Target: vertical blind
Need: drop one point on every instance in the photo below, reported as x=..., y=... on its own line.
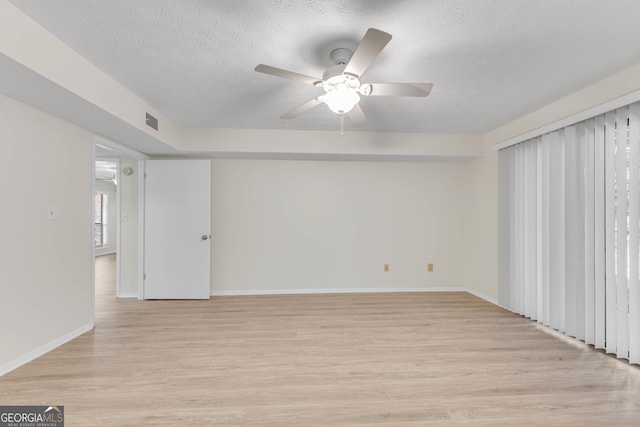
x=569, y=230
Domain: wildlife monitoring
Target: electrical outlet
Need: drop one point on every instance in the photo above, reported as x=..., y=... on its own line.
x=386, y=267
x=430, y=268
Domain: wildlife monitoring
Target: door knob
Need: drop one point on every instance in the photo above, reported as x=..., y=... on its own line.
x=204, y=237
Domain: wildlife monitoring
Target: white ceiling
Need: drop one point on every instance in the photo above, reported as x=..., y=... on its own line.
x=490, y=60
x=105, y=169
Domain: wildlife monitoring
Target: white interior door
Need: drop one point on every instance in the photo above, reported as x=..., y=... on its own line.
x=177, y=251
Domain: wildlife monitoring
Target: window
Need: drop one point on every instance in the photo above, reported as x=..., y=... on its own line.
x=100, y=213
x=570, y=230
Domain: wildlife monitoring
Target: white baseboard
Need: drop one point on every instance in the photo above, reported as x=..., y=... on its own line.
x=483, y=296
x=34, y=354
x=354, y=291
x=334, y=291
x=128, y=295
x=104, y=252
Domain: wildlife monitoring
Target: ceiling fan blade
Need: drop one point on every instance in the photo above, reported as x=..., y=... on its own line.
x=369, y=48
x=400, y=89
x=357, y=117
x=301, y=109
x=278, y=72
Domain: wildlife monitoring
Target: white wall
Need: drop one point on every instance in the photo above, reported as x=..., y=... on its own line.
x=480, y=237
x=45, y=266
x=128, y=186
x=298, y=225
x=110, y=189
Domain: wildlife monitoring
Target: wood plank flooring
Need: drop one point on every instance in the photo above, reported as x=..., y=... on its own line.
x=415, y=359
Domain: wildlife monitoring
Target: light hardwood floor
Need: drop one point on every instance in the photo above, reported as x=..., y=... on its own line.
x=419, y=359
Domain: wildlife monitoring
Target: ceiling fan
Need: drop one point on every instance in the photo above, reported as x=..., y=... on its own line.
x=342, y=84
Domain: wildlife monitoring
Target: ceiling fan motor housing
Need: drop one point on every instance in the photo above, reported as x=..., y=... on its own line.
x=341, y=55
x=335, y=76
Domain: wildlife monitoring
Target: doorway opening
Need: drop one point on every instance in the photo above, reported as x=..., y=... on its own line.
x=118, y=214
x=106, y=232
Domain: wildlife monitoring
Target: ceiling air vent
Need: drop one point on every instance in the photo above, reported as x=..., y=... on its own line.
x=152, y=121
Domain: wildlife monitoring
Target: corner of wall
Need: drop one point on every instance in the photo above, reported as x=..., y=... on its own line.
x=43, y=349
x=480, y=237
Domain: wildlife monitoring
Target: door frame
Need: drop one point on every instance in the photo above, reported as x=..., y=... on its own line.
x=119, y=150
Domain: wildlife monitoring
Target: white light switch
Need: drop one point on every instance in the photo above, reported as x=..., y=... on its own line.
x=52, y=215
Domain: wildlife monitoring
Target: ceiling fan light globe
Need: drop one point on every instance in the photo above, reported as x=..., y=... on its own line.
x=341, y=99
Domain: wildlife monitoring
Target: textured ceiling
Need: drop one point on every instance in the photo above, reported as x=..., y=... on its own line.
x=490, y=60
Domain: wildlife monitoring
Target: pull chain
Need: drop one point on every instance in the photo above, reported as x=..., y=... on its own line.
x=341, y=126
